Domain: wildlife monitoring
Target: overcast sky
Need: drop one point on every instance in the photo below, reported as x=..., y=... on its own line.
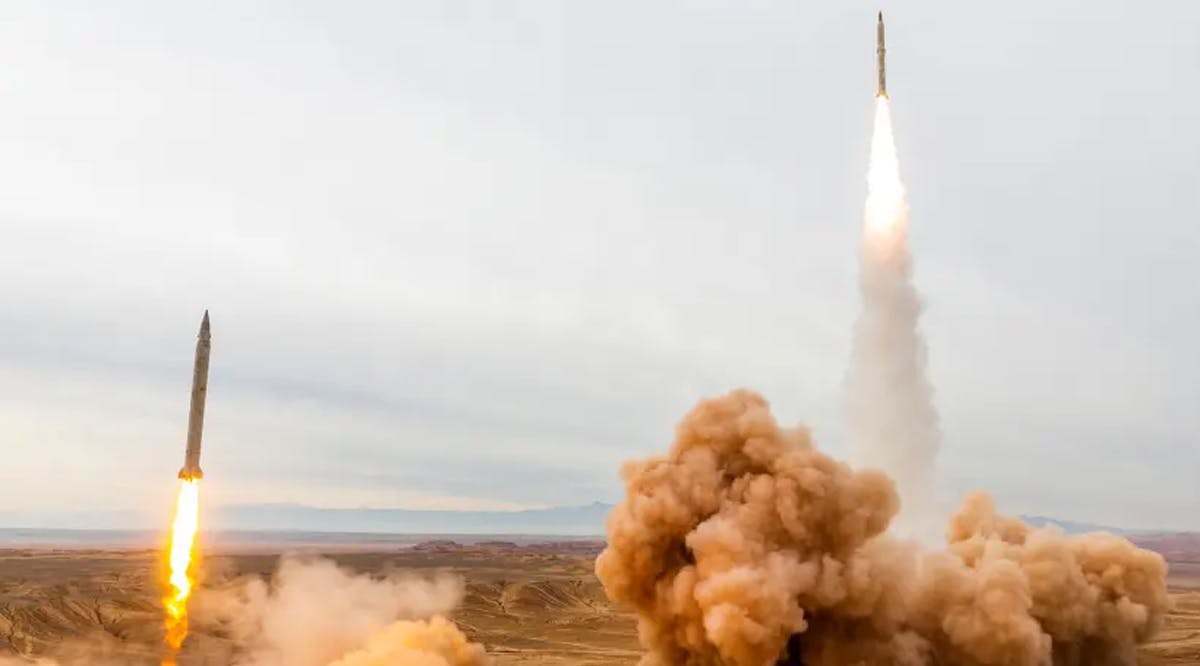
x=475, y=254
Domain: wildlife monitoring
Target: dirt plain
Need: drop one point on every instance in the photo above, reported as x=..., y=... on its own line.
x=527, y=603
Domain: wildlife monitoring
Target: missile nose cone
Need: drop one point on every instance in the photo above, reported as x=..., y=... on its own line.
x=204, y=327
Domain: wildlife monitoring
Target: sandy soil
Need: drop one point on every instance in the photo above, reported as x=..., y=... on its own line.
x=527, y=604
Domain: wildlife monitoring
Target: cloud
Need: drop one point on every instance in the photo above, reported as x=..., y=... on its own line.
x=539, y=237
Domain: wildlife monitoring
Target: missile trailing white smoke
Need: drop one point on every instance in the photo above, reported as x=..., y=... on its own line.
x=891, y=420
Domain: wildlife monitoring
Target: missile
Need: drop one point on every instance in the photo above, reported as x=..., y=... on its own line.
x=880, y=51
x=191, y=458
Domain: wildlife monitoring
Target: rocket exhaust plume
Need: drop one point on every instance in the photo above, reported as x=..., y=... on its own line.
x=181, y=548
x=181, y=556
x=744, y=545
x=891, y=420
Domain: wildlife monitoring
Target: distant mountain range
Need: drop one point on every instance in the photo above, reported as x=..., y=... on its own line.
x=1071, y=527
x=586, y=520
x=576, y=520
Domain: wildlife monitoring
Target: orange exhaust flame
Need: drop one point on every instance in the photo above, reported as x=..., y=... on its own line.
x=181, y=558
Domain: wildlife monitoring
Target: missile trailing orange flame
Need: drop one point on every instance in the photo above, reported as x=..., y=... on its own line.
x=887, y=205
x=181, y=548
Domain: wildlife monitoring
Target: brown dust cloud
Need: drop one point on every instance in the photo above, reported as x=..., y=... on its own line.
x=745, y=545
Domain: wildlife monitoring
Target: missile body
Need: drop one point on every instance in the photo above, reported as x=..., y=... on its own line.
x=880, y=51
x=191, y=459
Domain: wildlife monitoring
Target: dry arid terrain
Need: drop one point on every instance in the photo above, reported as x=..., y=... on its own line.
x=527, y=603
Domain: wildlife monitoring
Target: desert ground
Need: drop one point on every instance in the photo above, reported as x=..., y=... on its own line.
x=527, y=603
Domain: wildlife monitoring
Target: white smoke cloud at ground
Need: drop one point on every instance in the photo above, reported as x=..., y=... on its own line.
x=891, y=420
x=744, y=545
x=315, y=613
x=310, y=612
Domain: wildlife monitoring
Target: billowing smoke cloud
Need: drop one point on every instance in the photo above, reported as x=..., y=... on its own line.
x=314, y=613
x=436, y=642
x=891, y=420
x=310, y=613
x=745, y=545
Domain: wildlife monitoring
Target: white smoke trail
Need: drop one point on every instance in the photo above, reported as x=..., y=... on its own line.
x=892, y=423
